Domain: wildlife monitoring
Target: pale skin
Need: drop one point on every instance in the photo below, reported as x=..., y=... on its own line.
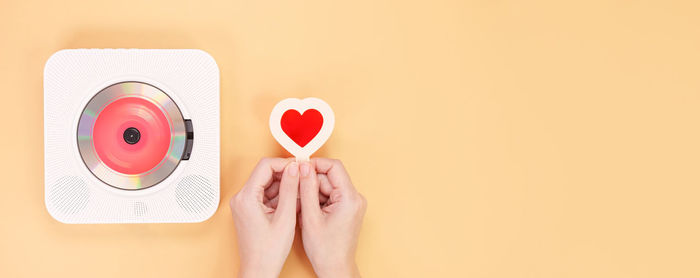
x=318, y=196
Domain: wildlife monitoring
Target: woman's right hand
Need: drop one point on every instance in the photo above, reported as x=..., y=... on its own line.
x=331, y=217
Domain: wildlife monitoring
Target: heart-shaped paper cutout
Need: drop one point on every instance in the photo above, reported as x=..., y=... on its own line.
x=302, y=126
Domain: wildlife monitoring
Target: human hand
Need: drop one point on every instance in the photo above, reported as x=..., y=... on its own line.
x=264, y=212
x=331, y=216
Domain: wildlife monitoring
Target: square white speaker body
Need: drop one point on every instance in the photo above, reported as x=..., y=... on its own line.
x=73, y=194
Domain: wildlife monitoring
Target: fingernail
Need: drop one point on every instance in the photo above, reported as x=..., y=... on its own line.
x=293, y=169
x=305, y=169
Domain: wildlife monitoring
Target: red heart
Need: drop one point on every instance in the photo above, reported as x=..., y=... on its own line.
x=301, y=128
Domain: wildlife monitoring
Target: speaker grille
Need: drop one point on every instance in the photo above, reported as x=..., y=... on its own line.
x=195, y=194
x=140, y=209
x=69, y=195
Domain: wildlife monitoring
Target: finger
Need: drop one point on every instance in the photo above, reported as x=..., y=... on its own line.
x=335, y=171
x=261, y=177
x=300, y=218
x=272, y=190
x=324, y=185
x=288, y=192
x=325, y=189
x=308, y=186
x=322, y=200
x=272, y=203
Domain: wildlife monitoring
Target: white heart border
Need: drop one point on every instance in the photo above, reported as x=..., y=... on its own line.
x=301, y=105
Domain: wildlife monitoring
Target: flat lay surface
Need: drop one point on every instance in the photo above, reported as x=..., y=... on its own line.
x=490, y=138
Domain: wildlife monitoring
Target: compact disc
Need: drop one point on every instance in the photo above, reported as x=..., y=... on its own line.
x=131, y=135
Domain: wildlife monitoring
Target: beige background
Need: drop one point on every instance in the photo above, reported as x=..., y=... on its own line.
x=491, y=138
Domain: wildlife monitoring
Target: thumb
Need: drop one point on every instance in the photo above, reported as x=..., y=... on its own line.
x=308, y=186
x=289, y=189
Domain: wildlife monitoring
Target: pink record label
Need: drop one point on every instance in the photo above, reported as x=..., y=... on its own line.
x=150, y=138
